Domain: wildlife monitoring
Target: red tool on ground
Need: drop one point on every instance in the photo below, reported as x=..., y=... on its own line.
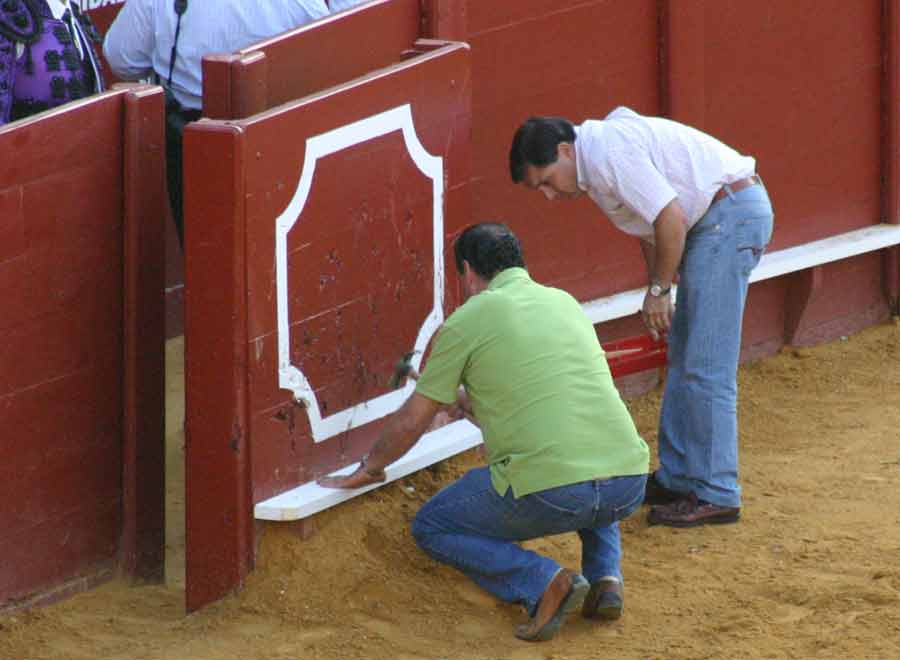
x=633, y=354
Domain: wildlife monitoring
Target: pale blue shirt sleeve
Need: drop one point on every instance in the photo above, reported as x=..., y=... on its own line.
x=341, y=5
x=129, y=43
x=140, y=40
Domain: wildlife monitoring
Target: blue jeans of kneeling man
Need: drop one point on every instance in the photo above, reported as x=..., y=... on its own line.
x=470, y=527
x=698, y=433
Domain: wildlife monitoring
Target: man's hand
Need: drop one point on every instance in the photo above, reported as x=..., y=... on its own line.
x=663, y=258
x=363, y=476
x=400, y=433
x=657, y=313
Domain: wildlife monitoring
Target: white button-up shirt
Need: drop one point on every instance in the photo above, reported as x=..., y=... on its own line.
x=139, y=42
x=632, y=166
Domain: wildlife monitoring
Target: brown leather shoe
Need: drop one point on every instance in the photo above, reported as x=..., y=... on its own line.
x=656, y=493
x=605, y=601
x=690, y=511
x=566, y=593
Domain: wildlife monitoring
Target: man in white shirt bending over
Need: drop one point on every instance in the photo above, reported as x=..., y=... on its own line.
x=699, y=210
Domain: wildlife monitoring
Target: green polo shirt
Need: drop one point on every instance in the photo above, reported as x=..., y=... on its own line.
x=539, y=385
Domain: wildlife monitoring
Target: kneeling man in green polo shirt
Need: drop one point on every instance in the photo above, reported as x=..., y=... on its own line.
x=563, y=452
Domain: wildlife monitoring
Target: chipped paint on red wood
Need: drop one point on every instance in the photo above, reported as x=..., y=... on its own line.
x=361, y=274
x=361, y=262
x=219, y=526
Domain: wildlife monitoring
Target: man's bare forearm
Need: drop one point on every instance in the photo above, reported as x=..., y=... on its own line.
x=669, y=233
x=649, y=251
x=401, y=432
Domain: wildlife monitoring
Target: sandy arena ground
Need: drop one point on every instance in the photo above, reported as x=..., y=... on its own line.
x=812, y=571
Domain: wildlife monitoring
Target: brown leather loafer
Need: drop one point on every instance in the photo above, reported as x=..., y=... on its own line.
x=690, y=511
x=566, y=593
x=656, y=493
x=605, y=600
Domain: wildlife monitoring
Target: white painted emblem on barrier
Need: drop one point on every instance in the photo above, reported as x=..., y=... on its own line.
x=290, y=377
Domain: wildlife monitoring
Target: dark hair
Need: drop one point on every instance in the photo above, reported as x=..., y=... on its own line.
x=489, y=247
x=535, y=144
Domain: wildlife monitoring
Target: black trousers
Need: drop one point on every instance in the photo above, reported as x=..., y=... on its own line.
x=177, y=117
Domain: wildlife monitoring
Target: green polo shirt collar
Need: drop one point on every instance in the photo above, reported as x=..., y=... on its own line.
x=508, y=275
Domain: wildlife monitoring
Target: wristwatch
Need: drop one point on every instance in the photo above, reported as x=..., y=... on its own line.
x=656, y=289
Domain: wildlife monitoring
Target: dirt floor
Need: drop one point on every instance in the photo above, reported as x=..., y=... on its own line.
x=812, y=570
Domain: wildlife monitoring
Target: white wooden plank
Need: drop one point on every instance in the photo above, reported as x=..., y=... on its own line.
x=310, y=498
x=772, y=264
x=826, y=250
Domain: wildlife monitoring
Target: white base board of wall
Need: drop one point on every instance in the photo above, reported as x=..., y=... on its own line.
x=310, y=498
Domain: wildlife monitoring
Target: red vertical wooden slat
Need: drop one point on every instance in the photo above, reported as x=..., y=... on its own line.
x=61, y=348
x=892, y=109
x=684, y=38
x=338, y=48
x=250, y=84
x=219, y=509
x=217, y=86
x=143, y=465
x=891, y=155
x=234, y=85
x=445, y=19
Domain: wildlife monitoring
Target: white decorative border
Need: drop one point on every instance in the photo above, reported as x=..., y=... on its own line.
x=289, y=376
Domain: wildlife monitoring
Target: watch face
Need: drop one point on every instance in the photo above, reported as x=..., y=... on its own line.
x=655, y=290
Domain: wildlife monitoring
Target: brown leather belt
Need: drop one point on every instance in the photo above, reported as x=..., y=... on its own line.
x=736, y=186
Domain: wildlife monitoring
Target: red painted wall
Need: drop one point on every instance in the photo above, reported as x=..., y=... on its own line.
x=359, y=260
x=574, y=59
x=800, y=85
x=81, y=379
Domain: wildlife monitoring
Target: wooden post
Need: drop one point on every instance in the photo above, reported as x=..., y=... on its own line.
x=445, y=19
x=219, y=510
x=235, y=86
x=891, y=153
x=683, y=57
x=144, y=434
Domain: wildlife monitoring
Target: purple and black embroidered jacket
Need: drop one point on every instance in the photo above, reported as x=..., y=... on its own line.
x=40, y=65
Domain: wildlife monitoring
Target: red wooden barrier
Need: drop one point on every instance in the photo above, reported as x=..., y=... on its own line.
x=359, y=267
x=103, y=13
x=745, y=73
x=81, y=360
x=309, y=59
x=798, y=85
x=891, y=150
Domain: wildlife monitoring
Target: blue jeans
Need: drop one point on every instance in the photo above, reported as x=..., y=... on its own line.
x=698, y=439
x=470, y=527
